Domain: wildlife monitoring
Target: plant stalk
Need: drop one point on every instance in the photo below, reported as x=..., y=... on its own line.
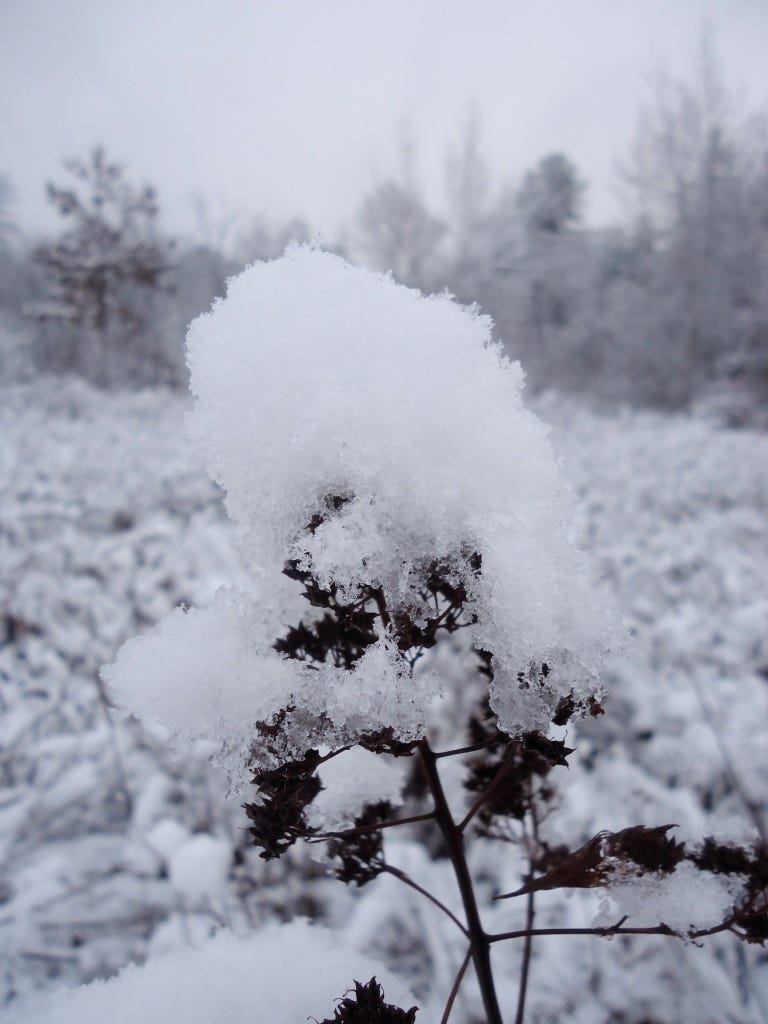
x=480, y=945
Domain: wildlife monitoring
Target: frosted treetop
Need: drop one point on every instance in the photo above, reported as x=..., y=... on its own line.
x=378, y=462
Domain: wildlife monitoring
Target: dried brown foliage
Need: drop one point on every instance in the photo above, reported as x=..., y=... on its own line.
x=367, y=1006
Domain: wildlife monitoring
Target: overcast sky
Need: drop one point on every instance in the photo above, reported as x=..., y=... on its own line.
x=294, y=106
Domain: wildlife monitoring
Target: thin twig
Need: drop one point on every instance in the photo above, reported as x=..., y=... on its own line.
x=454, y=841
x=455, y=987
x=334, y=753
x=488, y=791
x=361, y=830
x=529, y=916
x=752, y=808
x=465, y=750
x=378, y=596
x=526, y=964
x=433, y=624
x=407, y=880
x=660, y=929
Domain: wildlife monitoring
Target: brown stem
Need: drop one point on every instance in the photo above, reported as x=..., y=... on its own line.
x=529, y=914
x=334, y=753
x=455, y=987
x=434, y=624
x=465, y=750
x=659, y=929
x=378, y=596
x=424, y=892
x=488, y=791
x=361, y=830
x=525, y=967
x=479, y=941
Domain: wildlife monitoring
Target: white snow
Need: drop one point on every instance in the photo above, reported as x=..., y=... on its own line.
x=167, y=836
x=686, y=900
x=200, y=867
x=283, y=975
x=111, y=522
x=317, y=379
x=350, y=781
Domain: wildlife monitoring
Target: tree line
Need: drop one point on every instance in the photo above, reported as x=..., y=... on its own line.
x=668, y=309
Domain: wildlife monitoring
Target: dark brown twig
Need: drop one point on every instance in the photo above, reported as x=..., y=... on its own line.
x=378, y=826
x=455, y=987
x=659, y=929
x=530, y=912
x=479, y=941
x=465, y=750
x=488, y=791
x=407, y=880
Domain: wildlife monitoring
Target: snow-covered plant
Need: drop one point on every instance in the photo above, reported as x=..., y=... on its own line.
x=414, y=597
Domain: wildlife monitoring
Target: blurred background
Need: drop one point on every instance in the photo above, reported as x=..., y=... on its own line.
x=594, y=175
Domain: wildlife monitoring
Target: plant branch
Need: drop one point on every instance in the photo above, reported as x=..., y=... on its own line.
x=488, y=791
x=334, y=753
x=378, y=596
x=407, y=880
x=361, y=830
x=530, y=913
x=464, y=750
x=434, y=624
x=455, y=987
x=617, y=929
x=479, y=941
x=526, y=964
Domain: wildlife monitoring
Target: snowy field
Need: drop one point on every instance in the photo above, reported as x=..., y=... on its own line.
x=113, y=849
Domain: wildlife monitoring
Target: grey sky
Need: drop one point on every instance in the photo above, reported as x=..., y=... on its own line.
x=293, y=106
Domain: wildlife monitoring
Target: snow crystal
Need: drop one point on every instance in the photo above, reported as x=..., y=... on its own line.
x=686, y=900
x=331, y=396
x=283, y=974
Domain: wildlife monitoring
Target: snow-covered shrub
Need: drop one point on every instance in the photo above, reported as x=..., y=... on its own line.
x=373, y=448
x=396, y=505
x=107, y=522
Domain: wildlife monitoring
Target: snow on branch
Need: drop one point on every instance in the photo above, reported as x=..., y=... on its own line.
x=386, y=482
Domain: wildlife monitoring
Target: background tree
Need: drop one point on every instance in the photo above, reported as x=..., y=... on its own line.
x=550, y=198
x=394, y=228
x=8, y=233
x=7, y=226
x=543, y=269
x=471, y=215
x=697, y=176
x=397, y=232
x=101, y=277
x=16, y=289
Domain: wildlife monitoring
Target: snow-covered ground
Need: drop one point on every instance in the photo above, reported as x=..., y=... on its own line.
x=113, y=849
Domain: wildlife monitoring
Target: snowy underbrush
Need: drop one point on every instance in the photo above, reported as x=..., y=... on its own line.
x=237, y=980
x=111, y=846
x=113, y=849
x=676, y=513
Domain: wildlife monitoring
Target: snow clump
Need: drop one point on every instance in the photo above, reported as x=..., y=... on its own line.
x=687, y=900
x=229, y=978
x=349, y=784
x=366, y=435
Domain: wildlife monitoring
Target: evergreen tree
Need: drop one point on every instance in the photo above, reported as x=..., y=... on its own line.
x=100, y=276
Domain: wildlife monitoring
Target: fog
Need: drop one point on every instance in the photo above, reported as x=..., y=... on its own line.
x=294, y=108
